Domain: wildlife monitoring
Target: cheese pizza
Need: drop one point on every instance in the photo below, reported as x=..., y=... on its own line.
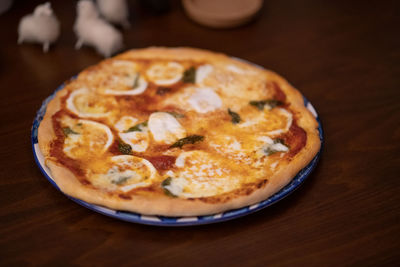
x=176, y=132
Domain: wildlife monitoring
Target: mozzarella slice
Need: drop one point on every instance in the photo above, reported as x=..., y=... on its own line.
x=128, y=81
x=229, y=147
x=270, y=122
x=266, y=140
x=289, y=121
x=165, y=128
x=204, y=100
x=139, y=141
x=270, y=146
x=125, y=123
x=165, y=73
x=86, y=104
x=202, y=72
x=126, y=173
x=200, y=174
x=86, y=139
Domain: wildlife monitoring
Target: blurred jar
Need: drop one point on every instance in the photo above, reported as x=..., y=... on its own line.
x=222, y=13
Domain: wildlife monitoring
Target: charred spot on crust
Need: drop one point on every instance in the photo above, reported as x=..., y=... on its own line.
x=124, y=196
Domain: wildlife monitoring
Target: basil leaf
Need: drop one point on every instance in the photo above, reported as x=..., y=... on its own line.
x=124, y=148
x=121, y=180
x=137, y=128
x=189, y=76
x=191, y=139
x=165, y=183
x=136, y=81
x=235, y=117
x=269, y=151
x=280, y=141
x=257, y=104
x=67, y=131
x=270, y=102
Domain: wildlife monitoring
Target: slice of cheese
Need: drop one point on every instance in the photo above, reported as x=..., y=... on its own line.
x=86, y=139
x=125, y=122
x=268, y=122
x=165, y=128
x=230, y=147
x=125, y=173
x=132, y=84
x=166, y=73
x=87, y=104
x=201, y=174
x=270, y=147
x=202, y=72
x=289, y=121
x=139, y=141
x=204, y=100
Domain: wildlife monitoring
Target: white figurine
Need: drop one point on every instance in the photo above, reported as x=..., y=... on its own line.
x=115, y=11
x=40, y=27
x=95, y=31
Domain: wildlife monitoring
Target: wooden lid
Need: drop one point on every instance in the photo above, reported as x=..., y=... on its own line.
x=221, y=13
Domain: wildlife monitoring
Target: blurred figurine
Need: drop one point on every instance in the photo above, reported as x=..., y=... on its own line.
x=40, y=27
x=94, y=31
x=115, y=11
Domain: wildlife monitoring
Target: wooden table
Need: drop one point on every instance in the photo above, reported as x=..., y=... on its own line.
x=344, y=56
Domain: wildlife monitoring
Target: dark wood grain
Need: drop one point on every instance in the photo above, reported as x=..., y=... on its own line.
x=343, y=55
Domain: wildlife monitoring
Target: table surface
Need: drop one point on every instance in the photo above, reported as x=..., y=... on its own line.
x=342, y=55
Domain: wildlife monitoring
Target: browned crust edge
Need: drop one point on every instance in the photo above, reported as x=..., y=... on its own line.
x=164, y=205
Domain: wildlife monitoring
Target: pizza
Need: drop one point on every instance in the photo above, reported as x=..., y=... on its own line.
x=176, y=132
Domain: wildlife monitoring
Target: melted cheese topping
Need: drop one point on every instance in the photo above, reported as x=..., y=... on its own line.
x=128, y=82
x=139, y=141
x=204, y=100
x=199, y=99
x=87, y=139
x=270, y=121
x=87, y=104
x=202, y=72
x=165, y=73
x=125, y=123
x=121, y=77
x=165, y=128
x=125, y=173
x=230, y=147
x=230, y=155
x=289, y=121
x=201, y=174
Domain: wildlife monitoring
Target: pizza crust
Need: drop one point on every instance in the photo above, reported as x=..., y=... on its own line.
x=160, y=204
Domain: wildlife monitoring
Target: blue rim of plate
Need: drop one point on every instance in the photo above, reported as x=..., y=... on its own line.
x=176, y=221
